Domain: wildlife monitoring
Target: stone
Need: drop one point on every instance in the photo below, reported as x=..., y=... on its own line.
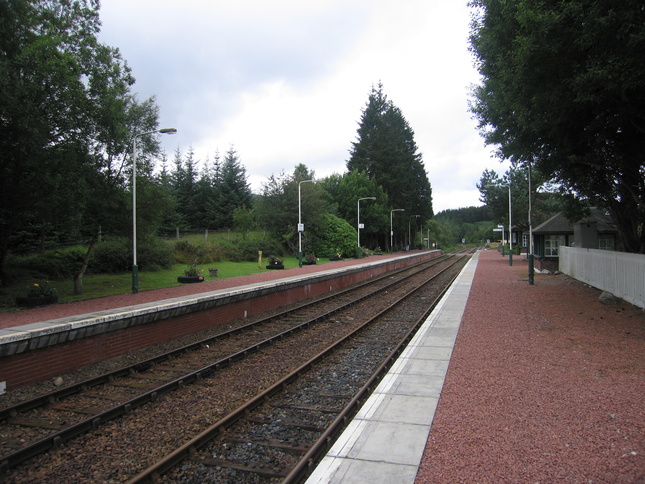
x=608, y=298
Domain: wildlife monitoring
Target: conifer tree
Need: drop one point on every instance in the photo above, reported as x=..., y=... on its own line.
x=386, y=151
x=234, y=190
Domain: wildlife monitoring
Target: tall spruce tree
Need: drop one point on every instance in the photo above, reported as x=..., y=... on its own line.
x=386, y=151
x=234, y=190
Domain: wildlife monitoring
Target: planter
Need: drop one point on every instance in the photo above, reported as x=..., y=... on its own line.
x=32, y=301
x=212, y=272
x=275, y=266
x=190, y=279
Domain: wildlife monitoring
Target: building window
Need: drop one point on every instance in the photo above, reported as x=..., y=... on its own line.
x=606, y=241
x=551, y=244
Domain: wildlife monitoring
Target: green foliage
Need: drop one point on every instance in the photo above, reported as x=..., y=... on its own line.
x=346, y=189
x=41, y=289
x=563, y=90
x=334, y=238
x=192, y=270
x=114, y=255
x=153, y=255
x=277, y=208
x=244, y=220
x=67, y=117
x=54, y=264
x=386, y=151
x=247, y=250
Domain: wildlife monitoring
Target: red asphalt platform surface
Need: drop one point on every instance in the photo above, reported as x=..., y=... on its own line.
x=545, y=385
x=56, y=311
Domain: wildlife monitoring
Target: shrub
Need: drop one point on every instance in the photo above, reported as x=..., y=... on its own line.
x=336, y=238
x=112, y=255
x=247, y=250
x=53, y=264
x=155, y=254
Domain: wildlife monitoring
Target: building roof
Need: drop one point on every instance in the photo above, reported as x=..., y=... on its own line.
x=559, y=224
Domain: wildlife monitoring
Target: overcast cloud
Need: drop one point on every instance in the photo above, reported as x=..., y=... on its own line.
x=285, y=81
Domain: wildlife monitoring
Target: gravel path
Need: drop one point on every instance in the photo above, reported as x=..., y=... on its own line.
x=545, y=385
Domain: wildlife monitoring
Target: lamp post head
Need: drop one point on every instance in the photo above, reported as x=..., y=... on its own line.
x=168, y=131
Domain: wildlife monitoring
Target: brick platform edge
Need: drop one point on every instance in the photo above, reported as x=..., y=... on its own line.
x=38, y=351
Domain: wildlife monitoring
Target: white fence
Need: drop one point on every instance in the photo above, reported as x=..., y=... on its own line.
x=619, y=273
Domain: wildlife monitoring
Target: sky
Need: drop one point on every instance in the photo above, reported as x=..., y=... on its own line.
x=284, y=82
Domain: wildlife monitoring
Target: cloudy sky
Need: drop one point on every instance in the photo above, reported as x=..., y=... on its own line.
x=284, y=81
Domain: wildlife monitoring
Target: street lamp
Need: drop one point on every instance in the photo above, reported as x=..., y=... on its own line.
x=135, y=268
x=391, y=229
x=301, y=227
x=510, y=222
x=530, y=255
x=358, y=224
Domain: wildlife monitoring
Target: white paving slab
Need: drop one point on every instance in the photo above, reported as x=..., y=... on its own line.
x=385, y=441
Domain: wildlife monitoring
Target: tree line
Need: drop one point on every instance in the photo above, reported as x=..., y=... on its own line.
x=69, y=115
x=563, y=96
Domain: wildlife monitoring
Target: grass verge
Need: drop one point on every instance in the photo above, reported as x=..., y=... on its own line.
x=101, y=285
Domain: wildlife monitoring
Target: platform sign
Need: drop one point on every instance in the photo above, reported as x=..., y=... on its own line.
x=361, y=226
x=301, y=227
x=498, y=230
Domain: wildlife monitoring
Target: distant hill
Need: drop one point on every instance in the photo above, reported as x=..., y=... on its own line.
x=457, y=216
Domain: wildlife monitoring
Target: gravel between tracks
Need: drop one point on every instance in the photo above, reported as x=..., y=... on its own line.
x=545, y=384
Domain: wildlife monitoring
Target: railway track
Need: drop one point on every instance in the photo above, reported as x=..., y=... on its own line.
x=146, y=382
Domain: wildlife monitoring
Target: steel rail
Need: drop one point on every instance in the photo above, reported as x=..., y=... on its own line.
x=154, y=472
x=56, y=439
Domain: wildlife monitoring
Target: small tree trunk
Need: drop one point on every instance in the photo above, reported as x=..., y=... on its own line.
x=78, y=277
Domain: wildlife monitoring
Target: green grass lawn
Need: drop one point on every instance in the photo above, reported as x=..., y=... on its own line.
x=100, y=285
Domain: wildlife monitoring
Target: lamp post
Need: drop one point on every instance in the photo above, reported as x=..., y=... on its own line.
x=135, y=267
x=510, y=222
x=410, y=232
x=358, y=224
x=530, y=255
x=391, y=227
x=301, y=227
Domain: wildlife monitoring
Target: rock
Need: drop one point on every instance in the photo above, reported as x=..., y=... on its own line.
x=608, y=298
x=58, y=382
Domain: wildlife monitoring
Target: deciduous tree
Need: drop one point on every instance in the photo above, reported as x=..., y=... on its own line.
x=563, y=88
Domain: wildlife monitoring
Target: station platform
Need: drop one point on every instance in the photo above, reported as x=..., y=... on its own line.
x=41, y=343
x=385, y=441
x=506, y=382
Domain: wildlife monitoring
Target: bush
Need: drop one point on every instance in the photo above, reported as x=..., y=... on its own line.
x=247, y=250
x=155, y=254
x=204, y=253
x=336, y=238
x=114, y=255
x=111, y=256
x=53, y=264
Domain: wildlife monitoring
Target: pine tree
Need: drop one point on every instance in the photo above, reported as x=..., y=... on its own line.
x=234, y=190
x=386, y=151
